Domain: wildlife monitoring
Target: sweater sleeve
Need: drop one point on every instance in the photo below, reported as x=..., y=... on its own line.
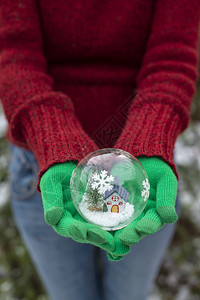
x=40, y=119
x=166, y=82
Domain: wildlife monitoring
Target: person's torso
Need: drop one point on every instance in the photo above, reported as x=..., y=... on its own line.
x=94, y=50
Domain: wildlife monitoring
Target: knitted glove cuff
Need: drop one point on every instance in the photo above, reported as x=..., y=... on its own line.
x=59, y=136
x=138, y=136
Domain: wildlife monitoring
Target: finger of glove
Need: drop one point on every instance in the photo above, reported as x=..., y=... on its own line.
x=149, y=224
x=128, y=235
x=94, y=235
x=99, y=237
x=166, y=198
x=52, y=199
x=112, y=257
x=69, y=227
x=120, y=249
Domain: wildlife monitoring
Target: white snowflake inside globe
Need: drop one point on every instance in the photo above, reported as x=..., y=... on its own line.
x=109, y=188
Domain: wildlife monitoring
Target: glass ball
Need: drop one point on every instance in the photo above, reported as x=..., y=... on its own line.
x=109, y=188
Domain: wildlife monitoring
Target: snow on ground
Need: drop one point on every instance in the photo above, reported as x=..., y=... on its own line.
x=107, y=219
x=4, y=186
x=187, y=153
x=155, y=295
x=4, y=193
x=3, y=123
x=188, y=148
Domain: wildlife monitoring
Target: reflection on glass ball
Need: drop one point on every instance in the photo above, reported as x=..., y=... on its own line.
x=109, y=188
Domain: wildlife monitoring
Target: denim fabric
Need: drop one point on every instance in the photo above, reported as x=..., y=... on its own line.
x=76, y=271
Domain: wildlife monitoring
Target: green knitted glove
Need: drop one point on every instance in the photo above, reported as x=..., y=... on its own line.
x=59, y=210
x=160, y=207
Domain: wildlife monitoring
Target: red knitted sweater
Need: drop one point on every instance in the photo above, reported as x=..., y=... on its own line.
x=76, y=76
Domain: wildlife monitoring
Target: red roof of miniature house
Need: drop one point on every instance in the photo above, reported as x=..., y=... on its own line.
x=117, y=187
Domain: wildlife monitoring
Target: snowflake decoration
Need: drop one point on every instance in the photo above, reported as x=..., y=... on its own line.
x=145, y=192
x=102, y=182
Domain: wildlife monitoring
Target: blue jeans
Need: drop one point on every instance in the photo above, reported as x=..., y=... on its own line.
x=76, y=271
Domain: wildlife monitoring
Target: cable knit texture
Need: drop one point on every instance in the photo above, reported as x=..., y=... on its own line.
x=75, y=76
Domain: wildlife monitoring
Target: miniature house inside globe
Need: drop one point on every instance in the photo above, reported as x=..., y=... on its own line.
x=109, y=188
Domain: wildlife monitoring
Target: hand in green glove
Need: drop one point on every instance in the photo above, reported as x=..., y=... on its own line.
x=160, y=207
x=59, y=210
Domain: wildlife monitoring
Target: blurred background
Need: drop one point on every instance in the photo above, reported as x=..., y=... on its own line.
x=179, y=277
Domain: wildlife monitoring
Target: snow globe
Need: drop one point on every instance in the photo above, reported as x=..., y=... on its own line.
x=109, y=188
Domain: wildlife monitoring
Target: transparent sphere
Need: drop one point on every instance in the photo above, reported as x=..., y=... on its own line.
x=109, y=188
